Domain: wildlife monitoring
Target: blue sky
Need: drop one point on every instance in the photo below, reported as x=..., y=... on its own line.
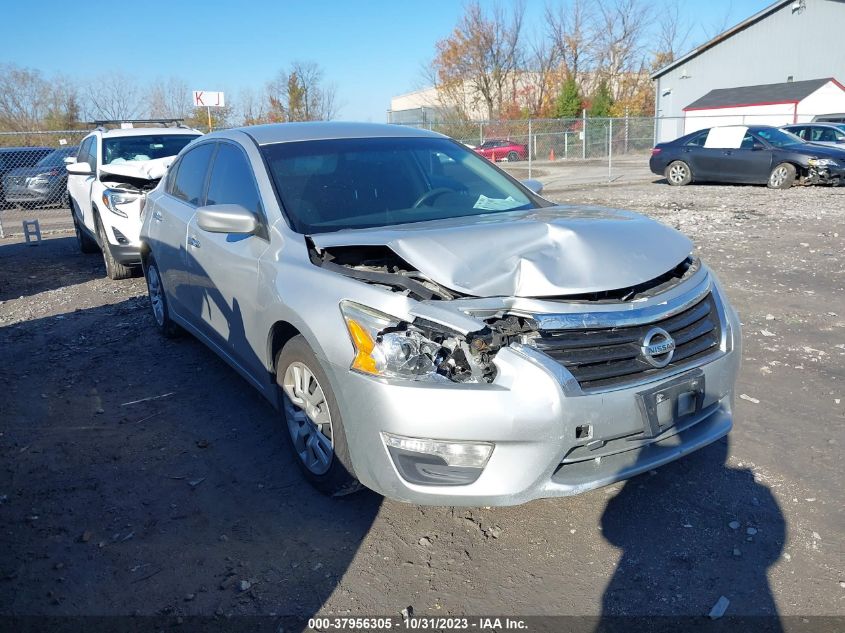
x=370, y=50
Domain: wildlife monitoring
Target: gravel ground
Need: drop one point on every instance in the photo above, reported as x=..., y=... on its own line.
x=143, y=476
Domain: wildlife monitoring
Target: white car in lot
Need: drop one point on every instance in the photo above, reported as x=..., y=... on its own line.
x=107, y=184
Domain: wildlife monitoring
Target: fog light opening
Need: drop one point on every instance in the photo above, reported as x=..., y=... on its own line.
x=584, y=432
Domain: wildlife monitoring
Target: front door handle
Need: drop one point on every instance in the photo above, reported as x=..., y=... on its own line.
x=157, y=215
x=192, y=241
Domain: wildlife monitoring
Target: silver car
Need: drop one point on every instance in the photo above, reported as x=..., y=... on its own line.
x=832, y=134
x=430, y=328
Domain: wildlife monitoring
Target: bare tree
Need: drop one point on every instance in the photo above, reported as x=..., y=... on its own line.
x=620, y=43
x=481, y=57
x=673, y=33
x=543, y=65
x=251, y=108
x=572, y=30
x=29, y=102
x=114, y=96
x=170, y=98
x=300, y=94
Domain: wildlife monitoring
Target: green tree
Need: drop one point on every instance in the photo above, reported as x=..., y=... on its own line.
x=569, y=103
x=602, y=101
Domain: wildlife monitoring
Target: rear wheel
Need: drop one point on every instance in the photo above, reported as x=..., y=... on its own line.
x=313, y=420
x=782, y=176
x=114, y=269
x=513, y=157
x=678, y=173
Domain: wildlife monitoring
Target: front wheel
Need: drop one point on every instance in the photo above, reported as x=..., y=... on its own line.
x=678, y=173
x=114, y=269
x=513, y=157
x=313, y=420
x=782, y=176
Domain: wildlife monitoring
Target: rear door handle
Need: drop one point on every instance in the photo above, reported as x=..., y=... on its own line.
x=192, y=241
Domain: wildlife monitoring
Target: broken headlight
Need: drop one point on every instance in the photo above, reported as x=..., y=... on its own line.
x=823, y=162
x=114, y=199
x=388, y=347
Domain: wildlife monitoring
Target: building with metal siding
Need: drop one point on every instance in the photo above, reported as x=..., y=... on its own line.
x=791, y=40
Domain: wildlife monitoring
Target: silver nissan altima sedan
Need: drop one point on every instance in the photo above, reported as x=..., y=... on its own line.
x=430, y=328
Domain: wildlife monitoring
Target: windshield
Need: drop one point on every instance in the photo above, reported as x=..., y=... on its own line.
x=127, y=149
x=56, y=159
x=778, y=138
x=358, y=183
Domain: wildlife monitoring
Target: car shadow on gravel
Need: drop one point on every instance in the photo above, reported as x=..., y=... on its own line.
x=697, y=530
x=27, y=270
x=144, y=477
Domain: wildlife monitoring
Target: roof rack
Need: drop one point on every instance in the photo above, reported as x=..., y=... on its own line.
x=101, y=124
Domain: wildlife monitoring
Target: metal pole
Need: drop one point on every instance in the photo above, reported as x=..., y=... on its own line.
x=566, y=145
x=209, y=118
x=530, y=152
x=610, y=150
x=480, y=133
x=584, y=132
x=627, y=125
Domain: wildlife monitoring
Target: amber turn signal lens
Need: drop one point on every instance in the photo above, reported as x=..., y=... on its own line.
x=364, y=345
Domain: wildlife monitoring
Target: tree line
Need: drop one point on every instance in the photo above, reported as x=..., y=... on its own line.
x=589, y=54
x=30, y=101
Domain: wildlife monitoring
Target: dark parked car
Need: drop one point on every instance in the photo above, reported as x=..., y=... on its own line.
x=42, y=184
x=14, y=157
x=756, y=154
x=500, y=149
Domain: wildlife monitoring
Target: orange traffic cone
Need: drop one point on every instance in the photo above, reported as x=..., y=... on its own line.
x=552, y=154
x=494, y=156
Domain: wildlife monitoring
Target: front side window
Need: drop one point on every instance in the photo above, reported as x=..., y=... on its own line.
x=778, y=138
x=82, y=156
x=231, y=180
x=127, y=149
x=329, y=185
x=190, y=179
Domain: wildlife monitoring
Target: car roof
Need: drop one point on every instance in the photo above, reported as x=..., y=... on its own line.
x=146, y=131
x=816, y=124
x=326, y=130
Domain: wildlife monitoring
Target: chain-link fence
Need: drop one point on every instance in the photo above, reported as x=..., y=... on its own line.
x=33, y=178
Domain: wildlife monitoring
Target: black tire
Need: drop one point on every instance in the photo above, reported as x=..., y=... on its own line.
x=114, y=269
x=156, y=293
x=86, y=243
x=338, y=478
x=678, y=173
x=513, y=157
x=782, y=176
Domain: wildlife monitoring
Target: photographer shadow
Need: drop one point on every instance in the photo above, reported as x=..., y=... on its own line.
x=690, y=533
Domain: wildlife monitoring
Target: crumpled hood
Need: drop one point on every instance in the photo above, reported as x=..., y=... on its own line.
x=548, y=252
x=145, y=169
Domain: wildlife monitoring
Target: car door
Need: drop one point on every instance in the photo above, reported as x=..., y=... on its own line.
x=702, y=160
x=750, y=163
x=79, y=187
x=225, y=266
x=168, y=225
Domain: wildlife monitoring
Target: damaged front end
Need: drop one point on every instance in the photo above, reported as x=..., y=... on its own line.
x=421, y=349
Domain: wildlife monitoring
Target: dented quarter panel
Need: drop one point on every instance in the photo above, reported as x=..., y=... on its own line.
x=547, y=252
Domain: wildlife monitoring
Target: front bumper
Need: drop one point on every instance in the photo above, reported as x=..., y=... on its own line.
x=533, y=420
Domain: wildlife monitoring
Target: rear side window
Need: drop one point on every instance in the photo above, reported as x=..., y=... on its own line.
x=232, y=181
x=698, y=140
x=190, y=178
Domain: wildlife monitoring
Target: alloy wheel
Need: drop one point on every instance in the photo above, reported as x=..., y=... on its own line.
x=308, y=417
x=156, y=294
x=779, y=176
x=677, y=173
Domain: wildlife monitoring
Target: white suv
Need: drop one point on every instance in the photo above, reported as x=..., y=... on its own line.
x=107, y=185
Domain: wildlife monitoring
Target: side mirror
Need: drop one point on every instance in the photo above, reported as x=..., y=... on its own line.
x=227, y=218
x=79, y=169
x=534, y=185
x=69, y=160
x=758, y=146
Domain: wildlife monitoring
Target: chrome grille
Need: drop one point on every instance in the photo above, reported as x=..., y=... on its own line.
x=603, y=357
